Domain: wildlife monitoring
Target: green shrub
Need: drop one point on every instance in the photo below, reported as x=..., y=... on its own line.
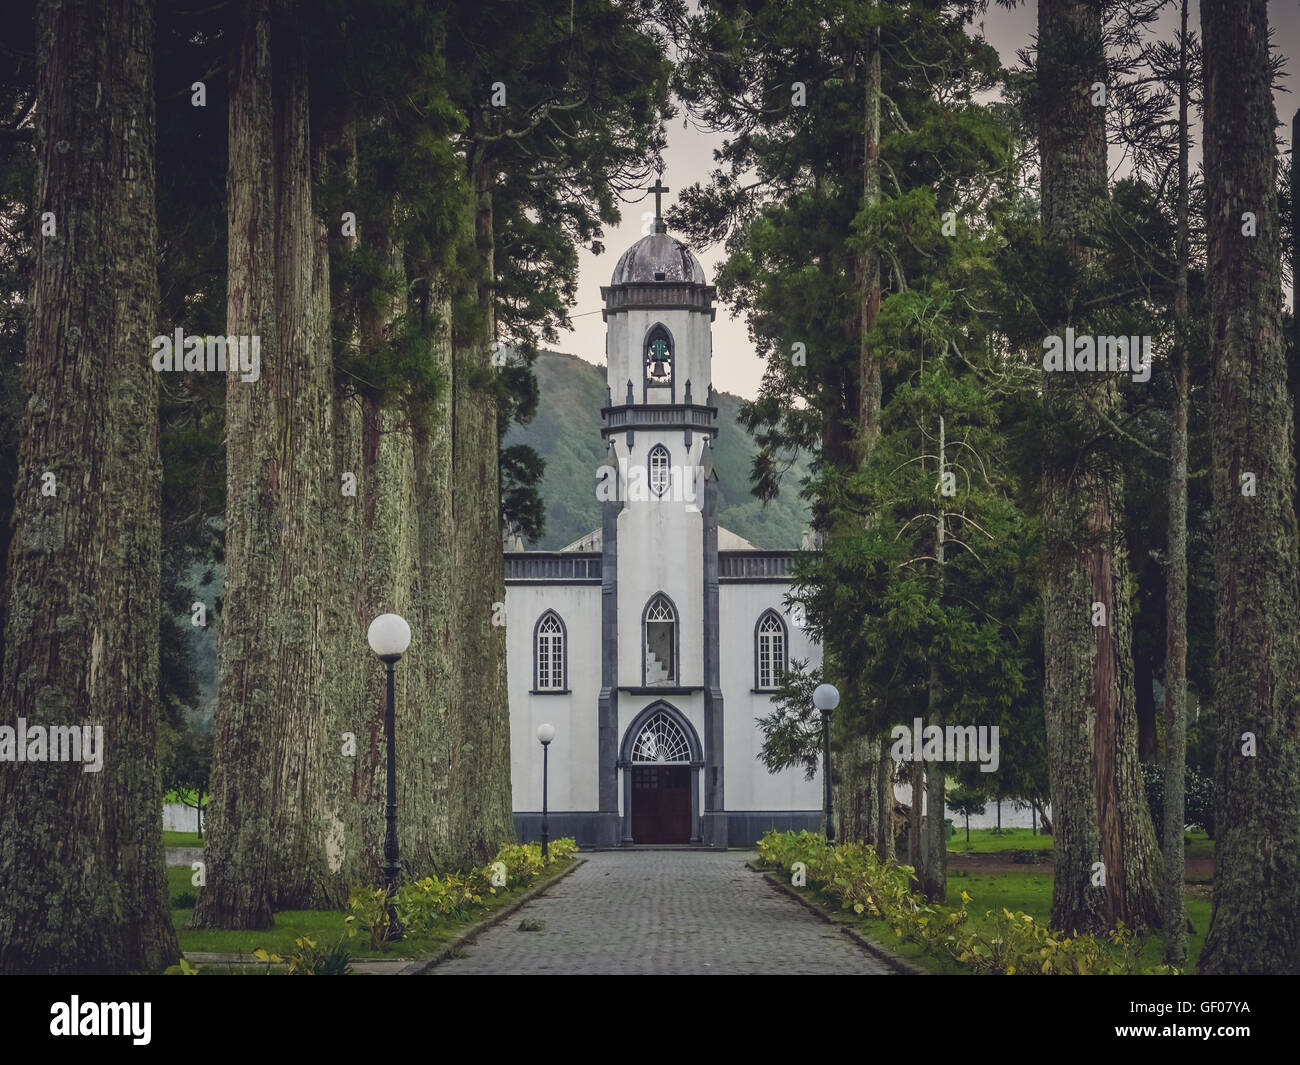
x=368, y=912
x=185, y=900
x=561, y=850
x=310, y=960
x=523, y=861
x=422, y=904
x=1013, y=942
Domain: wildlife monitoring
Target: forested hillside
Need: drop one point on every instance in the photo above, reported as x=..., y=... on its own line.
x=566, y=433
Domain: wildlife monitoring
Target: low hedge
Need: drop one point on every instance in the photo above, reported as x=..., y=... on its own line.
x=422, y=904
x=1007, y=944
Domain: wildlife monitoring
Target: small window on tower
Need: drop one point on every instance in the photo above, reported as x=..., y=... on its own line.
x=659, y=469
x=660, y=276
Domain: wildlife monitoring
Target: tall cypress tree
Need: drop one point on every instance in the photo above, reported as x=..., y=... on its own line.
x=81, y=852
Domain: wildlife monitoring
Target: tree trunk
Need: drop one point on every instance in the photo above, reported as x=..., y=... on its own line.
x=886, y=844
x=302, y=389
x=935, y=882
x=355, y=814
x=859, y=765
x=857, y=770
x=479, y=796
x=1255, y=925
x=238, y=891
x=81, y=856
x=268, y=840
x=433, y=670
x=1106, y=866
x=915, y=839
x=1175, y=920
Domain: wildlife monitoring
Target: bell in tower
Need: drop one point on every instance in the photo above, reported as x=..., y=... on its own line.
x=659, y=361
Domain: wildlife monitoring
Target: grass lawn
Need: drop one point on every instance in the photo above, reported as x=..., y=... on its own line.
x=182, y=839
x=324, y=926
x=991, y=841
x=1030, y=892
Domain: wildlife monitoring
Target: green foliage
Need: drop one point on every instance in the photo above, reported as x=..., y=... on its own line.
x=561, y=850
x=1006, y=944
x=1198, y=798
x=368, y=912
x=523, y=861
x=310, y=959
x=422, y=905
x=792, y=732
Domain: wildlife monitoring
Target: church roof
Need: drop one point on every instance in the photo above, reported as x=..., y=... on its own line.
x=658, y=254
x=727, y=541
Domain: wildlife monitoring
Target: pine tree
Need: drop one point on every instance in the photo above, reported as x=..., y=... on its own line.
x=1255, y=926
x=1107, y=864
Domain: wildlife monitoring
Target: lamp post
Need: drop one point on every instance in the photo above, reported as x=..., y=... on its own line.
x=545, y=733
x=389, y=637
x=826, y=698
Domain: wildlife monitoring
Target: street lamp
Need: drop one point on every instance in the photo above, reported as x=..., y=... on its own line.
x=389, y=636
x=545, y=733
x=826, y=698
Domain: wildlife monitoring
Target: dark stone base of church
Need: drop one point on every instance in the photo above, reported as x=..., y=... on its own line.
x=583, y=825
x=746, y=827
x=743, y=828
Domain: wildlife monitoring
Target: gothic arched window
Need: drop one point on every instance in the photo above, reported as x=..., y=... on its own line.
x=659, y=469
x=660, y=625
x=659, y=356
x=549, y=646
x=769, y=651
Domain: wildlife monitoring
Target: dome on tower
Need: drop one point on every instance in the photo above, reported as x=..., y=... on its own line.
x=658, y=257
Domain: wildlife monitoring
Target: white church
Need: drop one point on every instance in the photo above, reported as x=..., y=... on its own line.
x=653, y=644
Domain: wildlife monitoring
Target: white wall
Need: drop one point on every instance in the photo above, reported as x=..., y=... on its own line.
x=661, y=549
x=749, y=786
x=573, y=761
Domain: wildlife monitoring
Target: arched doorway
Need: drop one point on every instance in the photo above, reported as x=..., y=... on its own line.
x=661, y=759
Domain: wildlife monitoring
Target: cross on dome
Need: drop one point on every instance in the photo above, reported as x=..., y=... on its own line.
x=659, y=188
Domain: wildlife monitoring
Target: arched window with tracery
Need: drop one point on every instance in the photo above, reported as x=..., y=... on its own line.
x=550, y=661
x=661, y=740
x=770, y=645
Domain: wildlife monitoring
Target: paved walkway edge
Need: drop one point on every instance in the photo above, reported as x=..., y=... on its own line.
x=895, y=961
x=422, y=965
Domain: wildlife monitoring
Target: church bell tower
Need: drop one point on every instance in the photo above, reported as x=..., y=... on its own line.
x=659, y=614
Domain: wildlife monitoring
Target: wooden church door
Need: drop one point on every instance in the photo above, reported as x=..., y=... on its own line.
x=661, y=804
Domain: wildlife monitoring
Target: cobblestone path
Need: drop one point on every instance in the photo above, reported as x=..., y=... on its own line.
x=663, y=912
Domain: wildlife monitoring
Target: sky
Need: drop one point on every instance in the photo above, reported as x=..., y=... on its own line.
x=689, y=158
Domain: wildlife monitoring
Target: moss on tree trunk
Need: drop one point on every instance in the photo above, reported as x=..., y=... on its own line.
x=1255, y=926
x=1107, y=865
x=81, y=856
